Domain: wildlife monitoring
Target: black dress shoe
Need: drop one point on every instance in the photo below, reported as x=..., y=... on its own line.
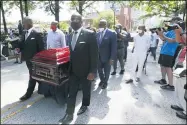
x=181, y=115
x=104, y=86
x=129, y=81
x=25, y=97
x=113, y=73
x=66, y=119
x=82, y=110
x=101, y=83
x=175, y=107
x=122, y=72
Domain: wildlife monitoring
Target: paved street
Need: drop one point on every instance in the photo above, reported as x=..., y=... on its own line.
x=138, y=103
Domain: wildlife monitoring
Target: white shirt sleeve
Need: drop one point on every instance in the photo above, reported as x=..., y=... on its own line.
x=63, y=40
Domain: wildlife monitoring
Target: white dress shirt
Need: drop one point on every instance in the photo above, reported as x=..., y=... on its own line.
x=78, y=33
x=154, y=38
x=28, y=33
x=56, y=39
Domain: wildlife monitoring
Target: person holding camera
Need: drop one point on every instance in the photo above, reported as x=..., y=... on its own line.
x=120, y=49
x=141, y=46
x=168, y=54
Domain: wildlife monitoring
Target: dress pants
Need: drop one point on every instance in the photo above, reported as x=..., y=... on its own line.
x=125, y=52
x=120, y=56
x=139, y=59
x=153, y=52
x=74, y=82
x=180, y=92
x=32, y=82
x=104, y=71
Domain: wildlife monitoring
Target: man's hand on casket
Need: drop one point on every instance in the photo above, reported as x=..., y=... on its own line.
x=91, y=76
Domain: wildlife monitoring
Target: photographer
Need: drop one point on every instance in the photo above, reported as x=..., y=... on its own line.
x=168, y=54
x=120, y=49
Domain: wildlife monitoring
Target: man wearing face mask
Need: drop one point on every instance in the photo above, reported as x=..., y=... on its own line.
x=120, y=50
x=141, y=46
x=55, y=37
x=83, y=66
x=107, y=42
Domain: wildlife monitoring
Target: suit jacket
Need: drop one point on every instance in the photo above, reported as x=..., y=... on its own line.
x=32, y=45
x=84, y=57
x=108, y=46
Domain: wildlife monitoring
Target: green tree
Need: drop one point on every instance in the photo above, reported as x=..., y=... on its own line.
x=51, y=7
x=63, y=25
x=82, y=6
x=160, y=8
x=108, y=15
x=3, y=15
x=31, y=5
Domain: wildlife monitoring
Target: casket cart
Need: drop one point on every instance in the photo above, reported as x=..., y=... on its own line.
x=50, y=68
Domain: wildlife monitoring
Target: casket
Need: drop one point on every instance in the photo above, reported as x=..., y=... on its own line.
x=51, y=66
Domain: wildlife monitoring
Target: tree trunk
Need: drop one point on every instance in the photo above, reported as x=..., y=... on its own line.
x=26, y=8
x=21, y=9
x=80, y=7
x=4, y=20
x=57, y=10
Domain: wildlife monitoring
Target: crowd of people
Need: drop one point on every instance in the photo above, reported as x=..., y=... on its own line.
x=94, y=51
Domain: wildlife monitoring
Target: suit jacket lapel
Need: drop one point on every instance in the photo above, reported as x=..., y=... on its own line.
x=29, y=36
x=104, y=36
x=79, y=39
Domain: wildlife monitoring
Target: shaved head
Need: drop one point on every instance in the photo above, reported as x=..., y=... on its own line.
x=76, y=21
x=27, y=22
x=54, y=23
x=102, y=23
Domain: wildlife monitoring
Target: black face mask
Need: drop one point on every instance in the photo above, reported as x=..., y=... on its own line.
x=75, y=25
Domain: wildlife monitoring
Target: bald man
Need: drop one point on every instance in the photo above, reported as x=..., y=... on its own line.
x=55, y=38
x=83, y=66
x=141, y=46
x=30, y=44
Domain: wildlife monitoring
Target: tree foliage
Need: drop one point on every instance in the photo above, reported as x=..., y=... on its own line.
x=160, y=8
x=63, y=25
x=82, y=6
x=108, y=15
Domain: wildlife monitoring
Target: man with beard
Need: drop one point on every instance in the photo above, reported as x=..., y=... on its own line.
x=30, y=44
x=83, y=66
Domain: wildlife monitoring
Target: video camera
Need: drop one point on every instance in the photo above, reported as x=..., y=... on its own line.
x=169, y=27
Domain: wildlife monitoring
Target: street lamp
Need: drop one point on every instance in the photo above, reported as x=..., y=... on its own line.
x=113, y=9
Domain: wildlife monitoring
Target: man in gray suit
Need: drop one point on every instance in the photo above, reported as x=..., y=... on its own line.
x=107, y=42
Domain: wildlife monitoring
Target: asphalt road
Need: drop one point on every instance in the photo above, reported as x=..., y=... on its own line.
x=138, y=103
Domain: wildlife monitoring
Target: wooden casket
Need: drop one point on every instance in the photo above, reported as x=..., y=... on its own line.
x=51, y=66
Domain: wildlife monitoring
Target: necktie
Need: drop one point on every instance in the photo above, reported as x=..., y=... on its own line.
x=74, y=40
x=26, y=35
x=101, y=37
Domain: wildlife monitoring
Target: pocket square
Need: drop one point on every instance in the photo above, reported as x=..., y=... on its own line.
x=81, y=42
x=32, y=38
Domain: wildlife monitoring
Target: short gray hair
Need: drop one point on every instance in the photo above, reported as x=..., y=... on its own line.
x=28, y=20
x=54, y=22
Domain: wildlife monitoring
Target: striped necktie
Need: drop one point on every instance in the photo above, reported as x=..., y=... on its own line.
x=74, y=40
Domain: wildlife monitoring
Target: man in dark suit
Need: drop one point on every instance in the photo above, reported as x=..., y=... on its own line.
x=30, y=44
x=83, y=66
x=107, y=42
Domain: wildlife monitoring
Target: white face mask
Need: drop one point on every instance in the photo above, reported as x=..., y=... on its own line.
x=101, y=29
x=140, y=31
